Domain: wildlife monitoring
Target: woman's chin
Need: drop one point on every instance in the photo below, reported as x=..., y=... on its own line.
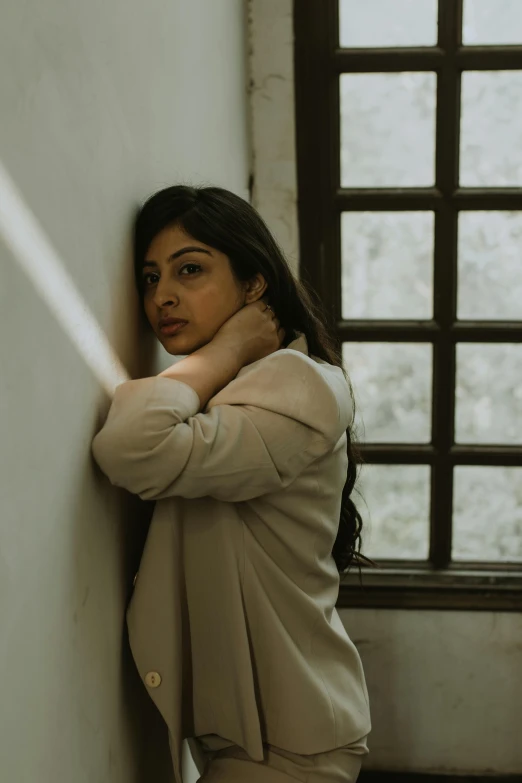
x=179, y=345
x=172, y=342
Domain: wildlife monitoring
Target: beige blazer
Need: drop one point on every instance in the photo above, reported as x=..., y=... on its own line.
x=232, y=622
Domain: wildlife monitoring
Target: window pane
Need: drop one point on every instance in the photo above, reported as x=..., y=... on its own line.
x=489, y=393
x=490, y=268
x=387, y=264
x=487, y=513
x=392, y=388
x=491, y=131
x=492, y=22
x=385, y=23
x=395, y=508
x=387, y=129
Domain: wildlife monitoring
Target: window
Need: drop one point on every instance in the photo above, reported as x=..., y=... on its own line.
x=409, y=154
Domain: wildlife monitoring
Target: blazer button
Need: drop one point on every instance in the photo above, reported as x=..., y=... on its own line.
x=135, y=577
x=153, y=679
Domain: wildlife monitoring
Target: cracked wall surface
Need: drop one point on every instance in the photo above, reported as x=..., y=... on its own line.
x=271, y=88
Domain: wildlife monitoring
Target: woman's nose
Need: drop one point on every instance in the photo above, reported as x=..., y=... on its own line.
x=165, y=293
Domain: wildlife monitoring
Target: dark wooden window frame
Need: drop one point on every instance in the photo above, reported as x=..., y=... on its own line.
x=318, y=62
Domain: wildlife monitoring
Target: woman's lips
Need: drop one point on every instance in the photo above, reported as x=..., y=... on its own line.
x=170, y=329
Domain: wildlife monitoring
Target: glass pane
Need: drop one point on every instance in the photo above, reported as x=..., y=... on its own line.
x=387, y=264
x=490, y=268
x=395, y=507
x=385, y=23
x=492, y=22
x=482, y=496
x=491, y=130
x=489, y=393
x=392, y=388
x=387, y=129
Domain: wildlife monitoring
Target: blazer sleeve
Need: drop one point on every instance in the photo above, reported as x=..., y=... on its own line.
x=254, y=437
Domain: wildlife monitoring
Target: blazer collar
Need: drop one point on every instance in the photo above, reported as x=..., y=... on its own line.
x=299, y=344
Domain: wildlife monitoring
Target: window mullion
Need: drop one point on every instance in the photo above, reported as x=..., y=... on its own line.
x=445, y=281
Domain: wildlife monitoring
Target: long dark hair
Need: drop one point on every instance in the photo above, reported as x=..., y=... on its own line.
x=223, y=220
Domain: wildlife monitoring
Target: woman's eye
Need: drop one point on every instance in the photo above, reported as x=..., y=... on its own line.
x=194, y=266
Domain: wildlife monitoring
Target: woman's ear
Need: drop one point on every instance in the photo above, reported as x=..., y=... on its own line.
x=255, y=288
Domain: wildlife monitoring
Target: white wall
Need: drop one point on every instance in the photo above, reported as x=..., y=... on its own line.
x=102, y=104
x=445, y=687
x=274, y=193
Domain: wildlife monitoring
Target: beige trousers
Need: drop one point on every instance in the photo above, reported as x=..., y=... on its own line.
x=233, y=765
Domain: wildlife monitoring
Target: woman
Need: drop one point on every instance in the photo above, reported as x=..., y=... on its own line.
x=244, y=444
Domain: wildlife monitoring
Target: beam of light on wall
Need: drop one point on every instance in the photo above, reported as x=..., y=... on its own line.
x=47, y=272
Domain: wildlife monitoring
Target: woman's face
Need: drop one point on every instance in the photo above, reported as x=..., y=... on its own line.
x=184, y=278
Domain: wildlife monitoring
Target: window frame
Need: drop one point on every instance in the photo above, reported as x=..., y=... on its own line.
x=318, y=63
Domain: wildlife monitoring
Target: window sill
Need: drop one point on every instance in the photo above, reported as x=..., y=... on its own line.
x=480, y=587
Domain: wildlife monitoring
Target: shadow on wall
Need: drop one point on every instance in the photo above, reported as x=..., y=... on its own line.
x=104, y=542
x=139, y=719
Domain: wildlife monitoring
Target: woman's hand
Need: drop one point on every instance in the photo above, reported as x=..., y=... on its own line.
x=248, y=335
x=254, y=332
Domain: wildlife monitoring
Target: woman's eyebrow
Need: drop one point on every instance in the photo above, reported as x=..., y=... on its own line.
x=178, y=253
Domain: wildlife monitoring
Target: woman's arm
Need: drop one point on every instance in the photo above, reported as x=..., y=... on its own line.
x=261, y=431
x=208, y=369
x=250, y=334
